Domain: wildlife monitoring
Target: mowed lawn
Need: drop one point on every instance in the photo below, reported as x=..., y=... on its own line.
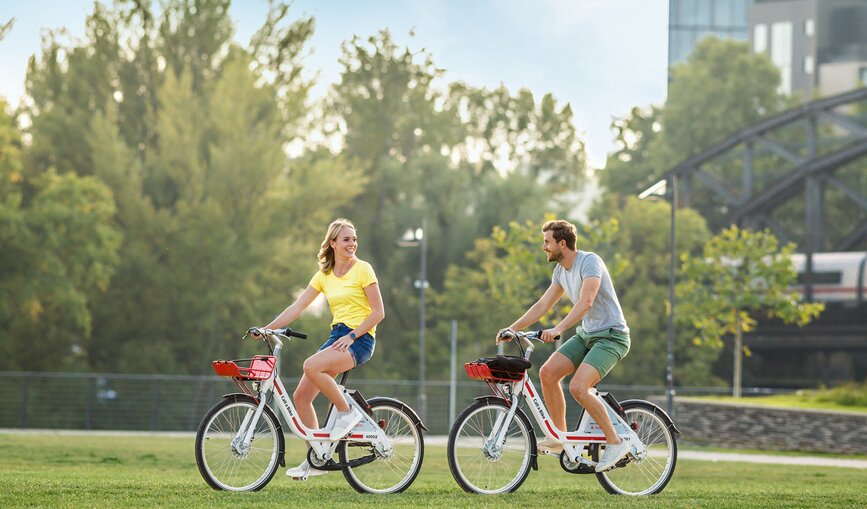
x=47, y=470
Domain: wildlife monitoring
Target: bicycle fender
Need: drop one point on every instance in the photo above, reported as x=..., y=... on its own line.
x=281, y=460
x=657, y=410
x=534, y=454
x=403, y=406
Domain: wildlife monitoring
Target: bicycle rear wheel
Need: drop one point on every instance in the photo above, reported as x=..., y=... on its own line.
x=489, y=471
x=221, y=464
x=650, y=475
x=386, y=474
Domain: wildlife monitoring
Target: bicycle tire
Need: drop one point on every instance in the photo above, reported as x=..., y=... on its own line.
x=395, y=473
x=651, y=475
x=473, y=469
x=222, y=467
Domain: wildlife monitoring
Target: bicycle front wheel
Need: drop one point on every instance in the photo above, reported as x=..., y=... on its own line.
x=650, y=475
x=479, y=466
x=226, y=466
x=395, y=471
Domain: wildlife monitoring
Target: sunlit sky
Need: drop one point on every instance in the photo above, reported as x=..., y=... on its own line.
x=601, y=56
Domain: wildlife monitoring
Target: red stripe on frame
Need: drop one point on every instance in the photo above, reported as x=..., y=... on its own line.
x=321, y=435
x=551, y=430
x=530, y=391
x=586, y=438
x=298, y=426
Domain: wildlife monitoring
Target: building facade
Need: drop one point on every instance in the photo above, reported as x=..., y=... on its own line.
x=820, y=46
x=689, y=21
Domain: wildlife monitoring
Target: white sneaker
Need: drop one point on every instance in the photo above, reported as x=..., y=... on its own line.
x=303, y=471
x=344, y=423
x=612, y=454
x=550, y=445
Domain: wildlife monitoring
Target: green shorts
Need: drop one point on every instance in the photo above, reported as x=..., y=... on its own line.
x=601, y=349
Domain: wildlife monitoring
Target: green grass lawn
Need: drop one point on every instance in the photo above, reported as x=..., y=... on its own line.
x=847, y=398
x=153, y=471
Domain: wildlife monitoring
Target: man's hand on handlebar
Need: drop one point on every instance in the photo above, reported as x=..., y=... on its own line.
x=549, y=335
x=506, y=334
x=546, y=336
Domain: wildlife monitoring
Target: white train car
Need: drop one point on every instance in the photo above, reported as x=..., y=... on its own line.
x=837, y=277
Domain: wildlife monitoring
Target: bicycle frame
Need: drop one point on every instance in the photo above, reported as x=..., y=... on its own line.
x=588, y=432
x=367, y=430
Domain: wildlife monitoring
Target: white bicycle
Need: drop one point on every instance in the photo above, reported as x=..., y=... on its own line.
x=492, y=445
x=240, y=442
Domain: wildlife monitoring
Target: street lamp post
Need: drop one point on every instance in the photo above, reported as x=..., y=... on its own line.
x=412, y=238
x=663, y=187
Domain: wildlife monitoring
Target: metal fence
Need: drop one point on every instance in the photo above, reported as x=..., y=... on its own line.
x=79, y=401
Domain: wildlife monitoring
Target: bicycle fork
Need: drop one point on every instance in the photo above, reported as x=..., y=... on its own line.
x=244, y=436
x=493, y=447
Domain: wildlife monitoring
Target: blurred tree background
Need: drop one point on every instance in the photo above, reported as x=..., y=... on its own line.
x=165, y=187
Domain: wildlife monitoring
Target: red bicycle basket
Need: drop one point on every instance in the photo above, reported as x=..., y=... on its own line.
x=481, y=371
x=259, y=367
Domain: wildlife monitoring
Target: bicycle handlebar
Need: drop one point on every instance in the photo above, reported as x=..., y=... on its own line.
x=535, y=335
x=285, y=332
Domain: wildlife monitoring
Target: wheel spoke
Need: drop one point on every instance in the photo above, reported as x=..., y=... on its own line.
x=222, y=467
x=655, y=470
x=497, y=470
x=395, y=473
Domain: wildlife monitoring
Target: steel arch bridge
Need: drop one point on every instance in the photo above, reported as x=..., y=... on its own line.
x=801, y=173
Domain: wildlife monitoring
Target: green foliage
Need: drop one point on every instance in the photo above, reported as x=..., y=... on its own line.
x=506, y=274
x=722, y=87
x=643, y=290
x=848, y=395
x=740, y=273
x=188, y=131
x=210, y=205
x=435, y=156
x=59, y=252
x=5, y=28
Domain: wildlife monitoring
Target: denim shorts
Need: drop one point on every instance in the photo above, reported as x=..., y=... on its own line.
x=361, y=349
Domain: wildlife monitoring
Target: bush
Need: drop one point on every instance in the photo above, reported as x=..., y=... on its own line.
x=851, y=394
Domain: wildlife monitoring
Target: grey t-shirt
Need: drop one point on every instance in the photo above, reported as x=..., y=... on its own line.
x=605, y=312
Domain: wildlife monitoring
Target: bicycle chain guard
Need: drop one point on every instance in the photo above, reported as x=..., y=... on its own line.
x=332, y=465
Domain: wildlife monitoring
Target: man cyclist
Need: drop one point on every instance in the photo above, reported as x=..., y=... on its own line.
x=601, y=340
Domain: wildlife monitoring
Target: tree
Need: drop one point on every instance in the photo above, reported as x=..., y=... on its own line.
x=642, y=288
x=59, y=252
x=721, y=88
x=740, y=274
x=188, y=131
x=463, y=159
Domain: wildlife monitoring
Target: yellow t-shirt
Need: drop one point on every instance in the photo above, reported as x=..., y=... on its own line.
x=345, y=295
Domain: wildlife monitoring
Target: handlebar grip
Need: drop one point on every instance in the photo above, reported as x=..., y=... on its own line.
x=537, y=334
x=289, y=332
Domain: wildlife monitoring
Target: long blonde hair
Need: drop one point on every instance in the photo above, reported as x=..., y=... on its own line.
x=326, y=252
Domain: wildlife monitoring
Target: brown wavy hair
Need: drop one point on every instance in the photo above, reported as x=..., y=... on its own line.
x=326, y=252
x=562, y=230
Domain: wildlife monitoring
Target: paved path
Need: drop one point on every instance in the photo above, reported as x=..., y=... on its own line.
x=776, y=459
x=818, y=461
x=442, y=440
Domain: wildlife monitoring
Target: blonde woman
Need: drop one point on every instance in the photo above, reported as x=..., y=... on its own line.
x=352, y=291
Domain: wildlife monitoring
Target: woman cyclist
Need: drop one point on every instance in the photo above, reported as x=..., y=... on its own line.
x=352, y=291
